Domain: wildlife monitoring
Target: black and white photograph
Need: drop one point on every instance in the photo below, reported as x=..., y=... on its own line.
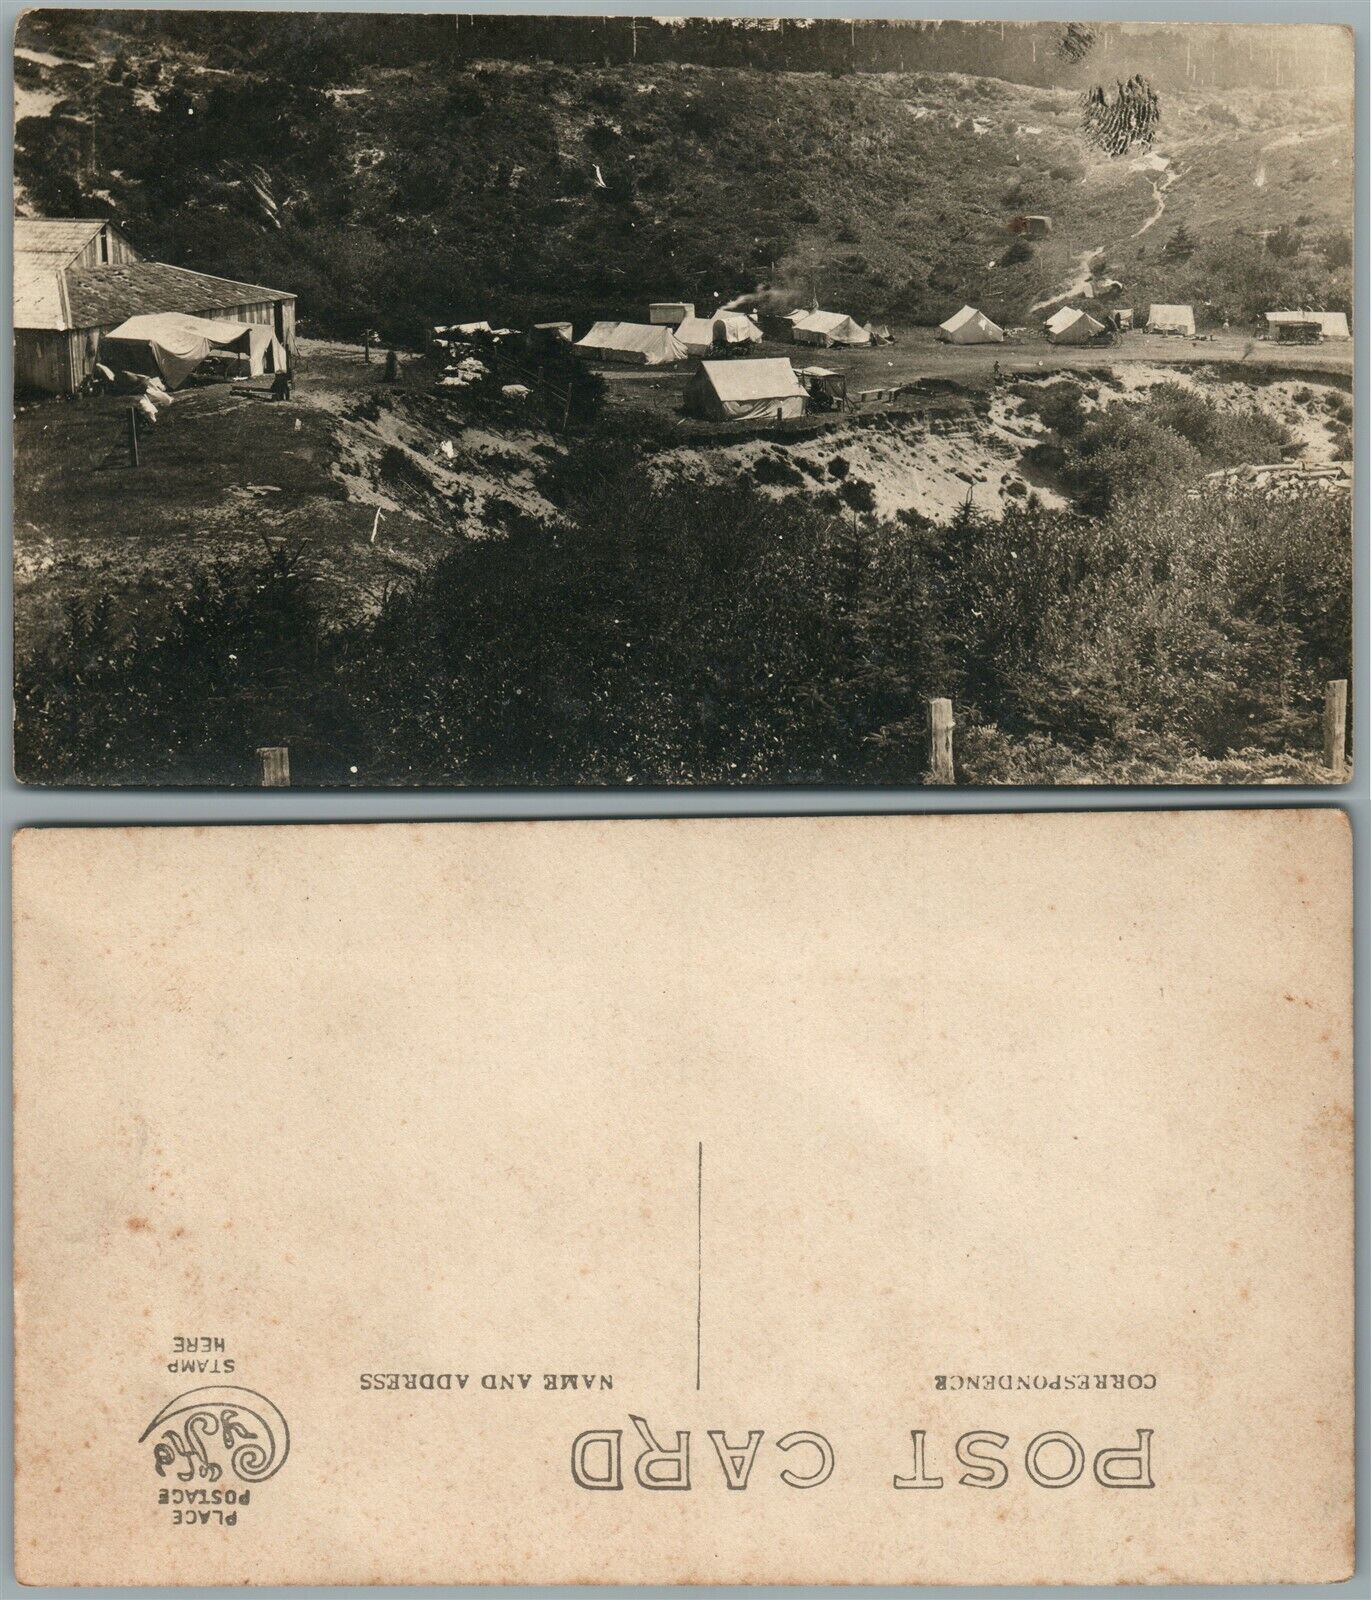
x=493, y=401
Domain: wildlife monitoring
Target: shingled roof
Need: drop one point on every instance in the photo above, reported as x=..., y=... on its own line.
x=101, y=296
x=61, y=237
x=40, y=299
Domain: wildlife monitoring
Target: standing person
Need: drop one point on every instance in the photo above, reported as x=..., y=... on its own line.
x=392, y=367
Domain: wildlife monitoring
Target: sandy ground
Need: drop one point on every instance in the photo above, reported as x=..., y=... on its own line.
x=477, y=464
x=909, y=466
x=912, y=466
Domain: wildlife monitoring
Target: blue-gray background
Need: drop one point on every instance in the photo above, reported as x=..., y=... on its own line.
x=27, y=807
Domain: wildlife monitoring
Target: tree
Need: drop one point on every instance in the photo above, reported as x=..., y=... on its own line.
x=1181, y=245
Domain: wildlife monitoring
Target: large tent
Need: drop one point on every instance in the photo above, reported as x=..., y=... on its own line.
x=1332, y=324
x=171, y=345
x=742, y=391
x=1070, y=326
x=700, y=334
x=829, y=328
x=1171, y=319
x=634, y=344
x=970, y=326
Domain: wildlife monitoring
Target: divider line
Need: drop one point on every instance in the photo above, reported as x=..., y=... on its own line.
x=699, y=1254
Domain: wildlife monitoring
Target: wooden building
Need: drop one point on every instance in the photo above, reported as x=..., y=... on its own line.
x=74, y=280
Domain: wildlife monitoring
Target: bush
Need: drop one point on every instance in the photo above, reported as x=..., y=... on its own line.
x=776, y=470
x=1124, y=453
x=1058, y=406
x=1284, y=242
x=1222, y=438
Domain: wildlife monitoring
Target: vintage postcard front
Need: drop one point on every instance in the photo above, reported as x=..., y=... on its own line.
x=870, y=1200
x=419, y=399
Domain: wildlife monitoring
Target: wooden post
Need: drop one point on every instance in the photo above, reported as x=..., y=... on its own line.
x=133, y=436
x=940, y=742
x=1335, y=725
x=275, y=759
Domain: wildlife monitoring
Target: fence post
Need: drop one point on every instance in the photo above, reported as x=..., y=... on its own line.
x=940, y=725
x=1335, y=725
x=133, y=437
x=275, y=759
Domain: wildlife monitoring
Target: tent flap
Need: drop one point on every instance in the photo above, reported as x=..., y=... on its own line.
x=173, y=344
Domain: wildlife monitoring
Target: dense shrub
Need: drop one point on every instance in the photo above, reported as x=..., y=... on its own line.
x=651, y=635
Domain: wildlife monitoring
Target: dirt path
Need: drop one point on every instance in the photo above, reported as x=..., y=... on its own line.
x=1077, y=286
x=1159, y=188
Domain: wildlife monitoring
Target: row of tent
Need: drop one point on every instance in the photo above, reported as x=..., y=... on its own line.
x=1069, y=325
x=815, y=327
x=660, y=342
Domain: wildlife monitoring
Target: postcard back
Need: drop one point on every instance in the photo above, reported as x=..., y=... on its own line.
x=872, y=1200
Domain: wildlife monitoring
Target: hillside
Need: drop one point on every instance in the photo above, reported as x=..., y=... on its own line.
x=394, y=194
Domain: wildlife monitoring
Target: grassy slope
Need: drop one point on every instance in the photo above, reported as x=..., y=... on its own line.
x=226, y=467
x=432, y=191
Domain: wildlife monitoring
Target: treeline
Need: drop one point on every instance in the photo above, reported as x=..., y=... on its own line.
x=663, y=634
x=327, y=47
x=441, y=195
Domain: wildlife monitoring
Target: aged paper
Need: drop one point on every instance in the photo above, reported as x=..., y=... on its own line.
x=867, y=1200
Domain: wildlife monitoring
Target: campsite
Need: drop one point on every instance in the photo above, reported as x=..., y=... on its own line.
x=261, y=493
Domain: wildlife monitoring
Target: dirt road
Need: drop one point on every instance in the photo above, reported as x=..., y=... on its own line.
x=919, y=355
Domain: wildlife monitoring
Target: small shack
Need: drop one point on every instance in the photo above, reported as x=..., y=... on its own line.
x=700, y=335
x=1304, y=330
x=746, y=391
x=1032, y=226
x=827, y=388
x=1072, y=326
x=970, y=326
x=828, y=328
x=1171, y=319
x=553, y=330
x=1331, y=324
x=632, y=344
x=669, y=313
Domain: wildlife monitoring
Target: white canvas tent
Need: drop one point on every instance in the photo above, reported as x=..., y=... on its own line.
x=743, y=391
x=172, y=345
x=1171, y=319
x=667, y=313
x=1071, y=326
x=970, y=326
x=633, y=344
x=700, y=334
x=829, y=328
x=1332, y=323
